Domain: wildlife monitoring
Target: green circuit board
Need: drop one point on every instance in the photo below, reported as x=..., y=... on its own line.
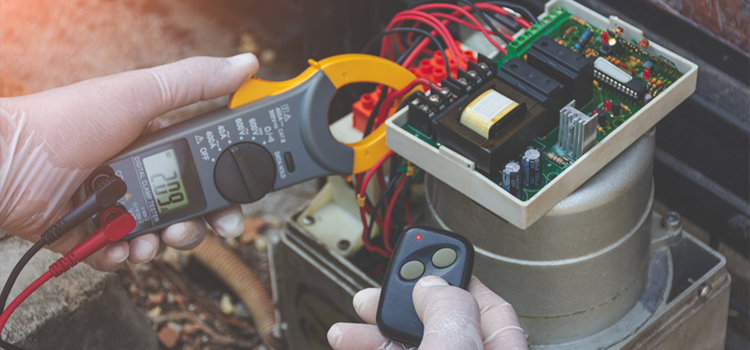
x=566, y=29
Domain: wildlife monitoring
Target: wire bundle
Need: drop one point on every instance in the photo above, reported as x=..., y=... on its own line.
x=426, y=25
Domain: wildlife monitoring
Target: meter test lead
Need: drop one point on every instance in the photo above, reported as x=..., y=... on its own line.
x=271, y=136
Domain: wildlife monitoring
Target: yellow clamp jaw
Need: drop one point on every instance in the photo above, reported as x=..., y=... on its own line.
x=340, y=70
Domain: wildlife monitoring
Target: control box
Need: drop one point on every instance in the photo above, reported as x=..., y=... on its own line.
x=594, y=84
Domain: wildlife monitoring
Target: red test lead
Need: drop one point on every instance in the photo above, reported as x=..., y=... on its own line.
x=111, y=232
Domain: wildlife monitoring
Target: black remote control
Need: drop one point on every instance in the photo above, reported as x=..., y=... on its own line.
x=421, y=251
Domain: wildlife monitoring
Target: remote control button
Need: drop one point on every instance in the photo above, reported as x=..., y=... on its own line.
x=412, y=270
x=444, y=257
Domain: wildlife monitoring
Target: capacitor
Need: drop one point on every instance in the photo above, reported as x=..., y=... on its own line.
x=607, y=105
x=616, y=107
x=601, y=117
x=605, y=37
x=513, y=179
x=532, y=167
x=646, y=74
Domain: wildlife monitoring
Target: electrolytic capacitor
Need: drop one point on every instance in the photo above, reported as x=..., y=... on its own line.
x=513, y=179
x=532, y=167
x=616, y=107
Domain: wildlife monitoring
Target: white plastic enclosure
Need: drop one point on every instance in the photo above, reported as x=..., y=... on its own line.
x=458, y=171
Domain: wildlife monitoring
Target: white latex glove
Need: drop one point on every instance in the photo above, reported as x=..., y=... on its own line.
x=51, y=141
x=453, y=319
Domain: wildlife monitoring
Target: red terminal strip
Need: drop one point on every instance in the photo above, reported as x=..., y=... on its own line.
x=113, y=231
x=432, y=69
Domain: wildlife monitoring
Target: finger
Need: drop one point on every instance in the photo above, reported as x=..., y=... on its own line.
x=111, y=257
x=366, y=304
x=228, y=222
x=116, y=109
x=352, y=336
x=450, y=316
x=185, y=235
x=500, y=327
x=143, y=248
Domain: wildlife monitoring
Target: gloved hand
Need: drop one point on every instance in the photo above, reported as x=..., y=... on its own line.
x=51, y=141
x=453, y=319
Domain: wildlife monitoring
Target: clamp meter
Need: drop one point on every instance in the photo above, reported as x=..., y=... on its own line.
x=271, y=136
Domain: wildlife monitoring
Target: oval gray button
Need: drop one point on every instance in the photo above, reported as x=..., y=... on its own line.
x=444, y=257
x=412, y=270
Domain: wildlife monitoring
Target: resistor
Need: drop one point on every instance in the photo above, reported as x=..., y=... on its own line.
x=569, y=30
x=619, y=31
x=643, y=43
x=579, y=20
x=604, y=133
x=625, y=108
x=566, y=159
x=555, y=159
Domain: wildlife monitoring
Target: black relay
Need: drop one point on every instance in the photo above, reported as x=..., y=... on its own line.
x=531, y=82
x=573, y=71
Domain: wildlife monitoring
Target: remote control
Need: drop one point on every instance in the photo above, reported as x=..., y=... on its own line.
x=421, y=251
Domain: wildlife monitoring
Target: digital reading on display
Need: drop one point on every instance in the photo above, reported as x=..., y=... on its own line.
x=165, y=178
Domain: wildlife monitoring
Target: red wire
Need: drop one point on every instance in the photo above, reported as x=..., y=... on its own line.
x=21, y=297
x=430, y=20
x=363, y=217
x=468, y=15
x=387, y=227
x=389, y=100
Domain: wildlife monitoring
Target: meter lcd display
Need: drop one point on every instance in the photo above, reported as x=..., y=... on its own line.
x=165, y=179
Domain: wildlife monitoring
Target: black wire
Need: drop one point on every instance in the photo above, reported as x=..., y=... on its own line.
x=522, y=10
x=487, y=20
x=415, y=30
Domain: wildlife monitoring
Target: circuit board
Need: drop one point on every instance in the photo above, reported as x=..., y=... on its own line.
x=567, y=30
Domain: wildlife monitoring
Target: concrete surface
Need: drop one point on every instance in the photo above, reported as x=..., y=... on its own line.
x=81, y=302
x=46, y=44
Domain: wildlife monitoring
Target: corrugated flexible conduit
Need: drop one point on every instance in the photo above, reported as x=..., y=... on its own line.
x=242, y=281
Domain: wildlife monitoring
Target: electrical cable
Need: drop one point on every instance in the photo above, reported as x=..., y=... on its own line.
x=464, y=12
x=116, y=227
x=384, y=89
x=381, y=202
x=419, y=16
x=388, y=213
x=396, y=30
x=107, y=193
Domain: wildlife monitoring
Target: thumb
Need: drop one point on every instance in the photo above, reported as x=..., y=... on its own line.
x=450, y=316
x=97, y=118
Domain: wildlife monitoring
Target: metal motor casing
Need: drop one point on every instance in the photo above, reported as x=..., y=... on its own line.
x=580, y=268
